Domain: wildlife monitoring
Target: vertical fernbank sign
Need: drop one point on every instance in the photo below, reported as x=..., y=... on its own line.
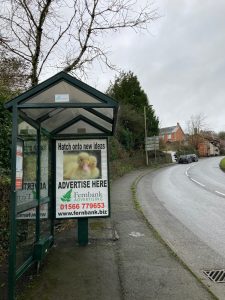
x=82, y=188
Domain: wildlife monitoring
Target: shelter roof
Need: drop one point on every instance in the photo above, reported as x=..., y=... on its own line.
x=64, y=105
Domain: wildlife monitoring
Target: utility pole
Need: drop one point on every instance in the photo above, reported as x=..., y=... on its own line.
x=146, y=152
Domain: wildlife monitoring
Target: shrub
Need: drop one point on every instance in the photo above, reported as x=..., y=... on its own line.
x=4, y=216
x=116, y=150
x=222, y=164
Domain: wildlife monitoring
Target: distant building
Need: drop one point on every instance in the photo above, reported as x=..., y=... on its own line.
x=209, y=147
x=172, y=134
x=222, y=147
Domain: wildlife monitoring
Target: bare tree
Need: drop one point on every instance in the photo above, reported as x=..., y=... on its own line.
x=196, y=124
x=68, y=34
x=221, y=135
x=197, y=128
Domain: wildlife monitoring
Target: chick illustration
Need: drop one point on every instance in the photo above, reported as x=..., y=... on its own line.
x=93, y=167
x=82, y=170
x=70, y=165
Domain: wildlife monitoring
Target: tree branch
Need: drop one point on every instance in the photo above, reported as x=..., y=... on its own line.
x=35, y=30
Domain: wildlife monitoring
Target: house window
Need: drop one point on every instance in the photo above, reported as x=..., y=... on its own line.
x=169, y=136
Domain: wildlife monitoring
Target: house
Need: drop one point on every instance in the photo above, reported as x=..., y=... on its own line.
x=209, y=147
x=172, y=134
x=222, y=146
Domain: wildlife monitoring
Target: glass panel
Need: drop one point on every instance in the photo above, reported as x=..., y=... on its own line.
x=25, y=236
x=45, y=221
x=44, y=168
x=26, y=194
x=60, y=119
x=67, y=115
x=108, y=112
x=37, y=113
x=78, y=128
x=63, y=88
x=96, y=119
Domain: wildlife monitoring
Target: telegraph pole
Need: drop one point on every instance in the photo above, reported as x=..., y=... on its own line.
x=146, y=152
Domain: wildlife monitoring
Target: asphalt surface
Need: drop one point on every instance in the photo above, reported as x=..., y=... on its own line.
x=182, y=204
x=124, y=260
x=208, y=174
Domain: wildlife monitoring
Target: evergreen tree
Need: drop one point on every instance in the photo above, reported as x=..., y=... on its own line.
x=127, y=90
x=130, y=130
x=152, y=121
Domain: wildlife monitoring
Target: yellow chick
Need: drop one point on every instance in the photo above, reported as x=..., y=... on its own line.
x=83, y=169
x=69, y=166
x=93, y=167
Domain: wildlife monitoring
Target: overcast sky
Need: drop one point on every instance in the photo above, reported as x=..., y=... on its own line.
x=180, y=63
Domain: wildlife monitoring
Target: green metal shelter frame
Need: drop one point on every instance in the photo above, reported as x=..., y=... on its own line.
x=61, y=107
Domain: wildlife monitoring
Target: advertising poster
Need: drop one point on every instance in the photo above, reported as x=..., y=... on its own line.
x=82, y=178
x=28, y=192
x=19, y=164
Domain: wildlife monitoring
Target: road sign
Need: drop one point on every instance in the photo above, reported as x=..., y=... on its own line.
x=152, y=139
x=152, y=143
x=149, y=148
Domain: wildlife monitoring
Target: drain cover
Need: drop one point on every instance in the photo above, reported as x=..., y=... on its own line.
x=216, y=275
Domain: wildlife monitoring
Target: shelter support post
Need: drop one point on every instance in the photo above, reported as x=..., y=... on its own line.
x=146, y=152
x=38, y=175
x=83, y=231
x=12, y=241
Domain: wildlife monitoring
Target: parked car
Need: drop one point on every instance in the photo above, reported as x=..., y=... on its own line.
x=194, y=157
x=175, y=156
x=184, y=159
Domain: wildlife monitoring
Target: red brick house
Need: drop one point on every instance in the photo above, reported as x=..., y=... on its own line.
x=172, y=134
x=209, y=147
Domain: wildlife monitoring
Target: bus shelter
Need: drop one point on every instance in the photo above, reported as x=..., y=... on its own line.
x=59, y=165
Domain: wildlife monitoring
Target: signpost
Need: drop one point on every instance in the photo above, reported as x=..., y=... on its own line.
x=152, y=144
x=19, y=164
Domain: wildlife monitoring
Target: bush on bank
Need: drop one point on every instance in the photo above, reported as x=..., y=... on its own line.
x=4, y=216
x=222, y=164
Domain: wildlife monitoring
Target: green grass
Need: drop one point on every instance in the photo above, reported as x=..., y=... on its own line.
x=222, y=164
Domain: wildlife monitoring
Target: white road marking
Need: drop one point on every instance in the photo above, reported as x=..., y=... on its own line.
x=220, y=193
x=136, y=234
x=203, y=185
x=197, y=182
x=187, y=172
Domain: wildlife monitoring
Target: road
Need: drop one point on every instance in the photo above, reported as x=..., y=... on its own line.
x=186, y=205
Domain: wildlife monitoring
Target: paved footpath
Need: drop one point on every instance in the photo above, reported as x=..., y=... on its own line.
x=125, y=260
